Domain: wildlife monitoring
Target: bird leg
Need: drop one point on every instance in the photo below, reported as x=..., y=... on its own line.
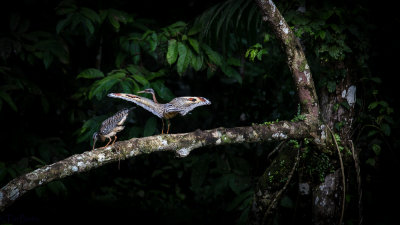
x=108, y=143
x=114, y=139
x=162, y=129
x=169, y=124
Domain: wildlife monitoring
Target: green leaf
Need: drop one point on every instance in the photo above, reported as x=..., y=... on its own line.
x=197, y=62
x=91, y=14
x=127, y=87
x=172, y=53
x=233, y=61
x=47, y=59
x=373, y=105
x=177, y=24
x=60, y=25
x=114, y=21
x=89, y=25
x=199, y=172
x=260, y=53
x=194, y=30
x=195, y=44
x=370, y=161
x=134, y=69
x=385, y=129
x=331, y=85
x=239, y=199
x=184, y=58
x=57, y=187
x=231, y=72
x=6, y=97
x=90, y=73
x=162, y=90
x=140, y=79
x=153, y=42
x=100, y=87
x=120, y=59
x=377, y=149
x=150, y=127
x=212, y=55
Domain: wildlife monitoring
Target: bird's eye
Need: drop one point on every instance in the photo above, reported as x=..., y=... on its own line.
x=192, y=99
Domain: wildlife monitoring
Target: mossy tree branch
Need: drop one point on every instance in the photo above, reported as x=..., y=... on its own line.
x=296, y=59
x=181, y=144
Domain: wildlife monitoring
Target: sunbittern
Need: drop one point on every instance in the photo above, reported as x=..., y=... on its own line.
x=111, y=126
x=179, y=105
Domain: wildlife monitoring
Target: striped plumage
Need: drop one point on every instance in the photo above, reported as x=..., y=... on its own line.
x=111, y=126
x=178, y=106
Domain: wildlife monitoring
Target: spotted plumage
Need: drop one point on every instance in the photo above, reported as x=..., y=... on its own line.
x=111, y=126
x=177, y=106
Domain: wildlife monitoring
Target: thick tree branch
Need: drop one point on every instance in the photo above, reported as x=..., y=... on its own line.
x=181, y=144
x=296, y=59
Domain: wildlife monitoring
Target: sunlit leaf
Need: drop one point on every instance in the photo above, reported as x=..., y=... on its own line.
x=172, y=53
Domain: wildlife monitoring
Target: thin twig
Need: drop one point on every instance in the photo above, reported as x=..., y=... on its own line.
x=343, y=177
x=277, y=148
x=279, y=193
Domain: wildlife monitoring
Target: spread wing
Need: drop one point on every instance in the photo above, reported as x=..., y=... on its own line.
x=145, y=103
x=187, y=104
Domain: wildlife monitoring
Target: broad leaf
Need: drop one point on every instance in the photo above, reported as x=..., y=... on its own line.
x=90, y=74
x=172, y=53
x=195, y=44
x=184, y=58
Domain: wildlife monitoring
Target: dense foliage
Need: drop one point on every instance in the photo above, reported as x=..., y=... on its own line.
x=58, y=64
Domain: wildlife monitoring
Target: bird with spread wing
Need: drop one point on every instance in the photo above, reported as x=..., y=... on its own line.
x=177, y=106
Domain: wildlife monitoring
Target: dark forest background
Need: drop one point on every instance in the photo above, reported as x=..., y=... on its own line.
x=59, y=59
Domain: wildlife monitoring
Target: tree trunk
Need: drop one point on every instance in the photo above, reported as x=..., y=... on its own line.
x=337, y=111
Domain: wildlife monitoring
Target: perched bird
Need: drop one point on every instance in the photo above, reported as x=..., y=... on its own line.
x=111, y=126
x=179, y=105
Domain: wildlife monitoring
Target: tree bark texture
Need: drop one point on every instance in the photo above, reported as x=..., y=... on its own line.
x=332, y=113
x=181, y=144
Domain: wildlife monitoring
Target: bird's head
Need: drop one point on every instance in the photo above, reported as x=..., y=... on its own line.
x=96, y=136
x=148, y=91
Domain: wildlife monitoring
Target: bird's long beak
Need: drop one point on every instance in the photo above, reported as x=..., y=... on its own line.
x=94, y=143
x=139, y=92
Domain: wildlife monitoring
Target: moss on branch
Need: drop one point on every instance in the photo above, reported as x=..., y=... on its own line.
x=181, y=144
